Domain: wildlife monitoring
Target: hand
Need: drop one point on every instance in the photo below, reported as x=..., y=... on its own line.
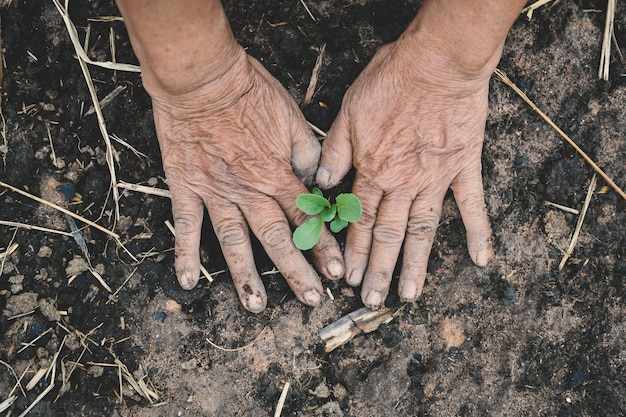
x=240, y=146
x=412, y=125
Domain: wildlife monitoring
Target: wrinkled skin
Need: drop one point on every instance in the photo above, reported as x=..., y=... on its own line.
x=413, y=127
x=240, y=147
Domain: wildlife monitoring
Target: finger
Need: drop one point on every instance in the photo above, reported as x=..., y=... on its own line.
x=305, y=151
x=420, y=233
x=336, y=158
x=327, y=255
x=232, y=232
x=469, y=196
x=359, y=238
x=268, y=223
x=387, y=237
x=187, y=210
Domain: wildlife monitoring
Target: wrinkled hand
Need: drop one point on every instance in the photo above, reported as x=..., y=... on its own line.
x=412, y=127
x=240, y=146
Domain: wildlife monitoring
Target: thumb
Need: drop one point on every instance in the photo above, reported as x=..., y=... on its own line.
x=336, y=153
x=305, y=152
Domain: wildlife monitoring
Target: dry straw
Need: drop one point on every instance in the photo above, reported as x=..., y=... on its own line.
x=502, y=77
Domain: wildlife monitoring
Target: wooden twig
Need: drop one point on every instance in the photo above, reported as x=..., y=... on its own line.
x=502, y=76
x=360, y=321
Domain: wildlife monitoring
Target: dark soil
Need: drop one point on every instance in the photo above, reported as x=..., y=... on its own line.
x=517, y=338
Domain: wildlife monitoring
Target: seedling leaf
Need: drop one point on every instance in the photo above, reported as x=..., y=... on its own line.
x=308, y=233
x=337, y=225
x=328, y=214
x=317, y=191
x=348, y=207
x=311, y=203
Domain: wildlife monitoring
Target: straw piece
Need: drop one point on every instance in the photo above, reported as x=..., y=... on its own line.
x=314, y=75
x=61, y=209
x=605, y=56
x=317, y=129
x=563, y=208
x=530, y=9
x=281, y=400
x=308, y=10
x=144, y=189
x=579, y=224
x=31, y=227
x=107, y=99
x=81, y=52
x=502, y=76
x=237, y=349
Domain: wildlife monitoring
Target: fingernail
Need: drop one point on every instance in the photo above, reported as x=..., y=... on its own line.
x=355, y=277
x=482, y=257
x=408, y=292
x=373, y=300
x=323, y=176
x=335, y=268
x=312, y=297
x=187, y=280
x=255, y=304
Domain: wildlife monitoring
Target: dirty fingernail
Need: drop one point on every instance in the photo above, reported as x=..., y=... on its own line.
x=323, y=176
x=335, y=268
x=373, y=300
x=312, y=297
x=255, y=304
x=187, y=280
x=355, y=277
x=408, y=291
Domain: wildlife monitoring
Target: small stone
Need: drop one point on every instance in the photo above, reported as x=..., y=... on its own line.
x=339, y=392
x=44, y=252
x=21, y=303
x=190, y=364
x=321, y=391
x=48, y=310
x=95, y=371
x=160, y=316
x=16, y=283
x=76, y=267
x=330, y=409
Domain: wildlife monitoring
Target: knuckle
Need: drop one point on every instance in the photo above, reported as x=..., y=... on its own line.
x=473, y=204
x=387, y=234
x=275, y=235
x=232, y=234
x=423, y=228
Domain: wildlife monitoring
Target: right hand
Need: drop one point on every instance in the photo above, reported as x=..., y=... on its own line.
x=413, y=127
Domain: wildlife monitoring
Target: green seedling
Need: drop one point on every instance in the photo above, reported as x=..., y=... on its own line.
x=346, y=209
